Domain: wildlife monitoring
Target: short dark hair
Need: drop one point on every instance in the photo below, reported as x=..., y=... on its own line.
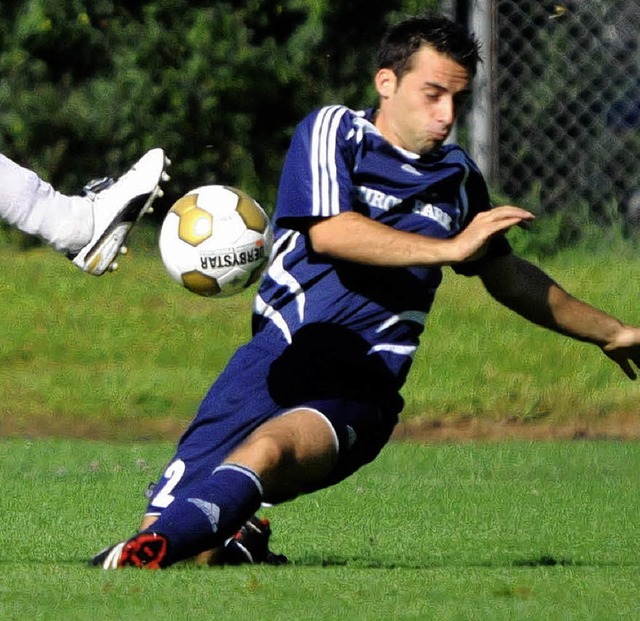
x=404, y=39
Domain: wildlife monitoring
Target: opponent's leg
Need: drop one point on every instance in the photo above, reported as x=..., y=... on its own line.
x=116, y=206
x=32, y=205
x=92, y=228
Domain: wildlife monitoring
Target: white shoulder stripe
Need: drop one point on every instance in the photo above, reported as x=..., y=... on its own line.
x=324, y=171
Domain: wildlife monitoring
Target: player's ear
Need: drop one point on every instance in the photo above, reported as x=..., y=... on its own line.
x=385, y=81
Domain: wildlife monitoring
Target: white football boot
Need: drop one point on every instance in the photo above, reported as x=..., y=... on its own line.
x=117, y=206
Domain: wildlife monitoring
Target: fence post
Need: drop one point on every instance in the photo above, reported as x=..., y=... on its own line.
x=481, y=122
x=449, y=9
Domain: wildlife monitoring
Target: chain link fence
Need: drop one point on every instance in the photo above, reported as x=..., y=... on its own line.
x=555, y=122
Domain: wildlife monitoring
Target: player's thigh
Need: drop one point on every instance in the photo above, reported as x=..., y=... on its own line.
x=290, y=453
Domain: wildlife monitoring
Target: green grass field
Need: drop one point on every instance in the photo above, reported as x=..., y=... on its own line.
x=540, y=531
x=78, y=353
x=98, y=376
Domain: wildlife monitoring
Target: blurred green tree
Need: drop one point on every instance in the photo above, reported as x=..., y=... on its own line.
x=88, y=86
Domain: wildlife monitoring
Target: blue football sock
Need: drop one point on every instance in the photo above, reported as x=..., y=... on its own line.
x=206, y=518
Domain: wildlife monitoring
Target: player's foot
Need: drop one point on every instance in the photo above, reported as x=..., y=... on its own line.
x=251, y=545
x=117, y=206
x=145, y=550
x=149, y=550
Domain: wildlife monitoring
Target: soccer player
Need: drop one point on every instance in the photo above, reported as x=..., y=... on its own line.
x=90, y=229
x=371, y=206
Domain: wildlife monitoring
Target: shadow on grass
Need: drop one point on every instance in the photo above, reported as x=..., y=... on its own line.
x=363, y=563
x=369, y=563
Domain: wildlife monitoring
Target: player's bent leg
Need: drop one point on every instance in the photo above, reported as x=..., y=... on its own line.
x=200, y=517
x=290, y=454
x=293, y=452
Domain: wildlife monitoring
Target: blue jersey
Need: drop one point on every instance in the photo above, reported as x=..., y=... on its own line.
x=337, y=162
x=331, y=336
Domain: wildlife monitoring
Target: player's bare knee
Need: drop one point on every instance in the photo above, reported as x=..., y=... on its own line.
x=262, y=452
x=296, y=445
x=274, y=452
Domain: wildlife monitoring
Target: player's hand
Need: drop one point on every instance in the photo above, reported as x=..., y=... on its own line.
x=624, y=350
x=472, y=242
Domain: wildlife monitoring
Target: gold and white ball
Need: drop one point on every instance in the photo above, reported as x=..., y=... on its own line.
x=215, y=241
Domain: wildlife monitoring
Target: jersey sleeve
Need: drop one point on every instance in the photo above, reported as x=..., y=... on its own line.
x=316, y=176
x=478, y=200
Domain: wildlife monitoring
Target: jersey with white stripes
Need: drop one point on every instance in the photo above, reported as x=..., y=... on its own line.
x=338, y=162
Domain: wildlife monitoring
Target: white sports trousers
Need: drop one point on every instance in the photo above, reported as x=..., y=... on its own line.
x=36, y=208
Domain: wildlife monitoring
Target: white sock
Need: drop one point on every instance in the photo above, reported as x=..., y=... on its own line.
x=35, y=207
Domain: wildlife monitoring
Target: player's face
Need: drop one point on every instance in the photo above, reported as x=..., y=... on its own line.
x=417, y=112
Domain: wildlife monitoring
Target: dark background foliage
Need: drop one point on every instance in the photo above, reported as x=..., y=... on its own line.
x=88, y=86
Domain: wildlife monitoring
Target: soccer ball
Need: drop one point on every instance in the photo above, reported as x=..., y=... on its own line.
x=215, y=241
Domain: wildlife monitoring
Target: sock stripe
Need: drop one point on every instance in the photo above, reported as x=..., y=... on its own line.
x=248, y=472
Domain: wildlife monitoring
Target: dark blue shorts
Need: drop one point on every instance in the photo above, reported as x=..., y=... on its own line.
x=257, y=386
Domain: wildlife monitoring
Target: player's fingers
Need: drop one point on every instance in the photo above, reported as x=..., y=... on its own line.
x=509, y=211
x=502, y=218
x=504, y=224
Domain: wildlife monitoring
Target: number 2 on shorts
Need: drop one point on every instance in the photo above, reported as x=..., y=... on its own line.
x=173, y=474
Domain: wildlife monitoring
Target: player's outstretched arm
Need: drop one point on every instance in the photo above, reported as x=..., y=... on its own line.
x=527, y=290
x=350, y=236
